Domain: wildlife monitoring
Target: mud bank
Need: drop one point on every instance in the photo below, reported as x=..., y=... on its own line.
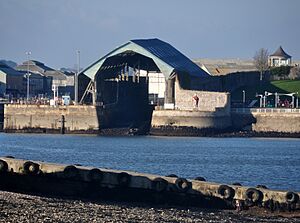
x=191, y=131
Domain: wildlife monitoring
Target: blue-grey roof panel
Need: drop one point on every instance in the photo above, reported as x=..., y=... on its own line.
x=9, y=71
x=171, y=56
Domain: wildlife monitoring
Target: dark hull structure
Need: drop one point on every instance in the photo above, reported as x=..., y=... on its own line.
x=122, y=120
x=1, y=116
x=123, y=103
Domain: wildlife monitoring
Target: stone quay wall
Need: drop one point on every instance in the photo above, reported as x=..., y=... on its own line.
x=197, y=119
x=83, y=119
x=45, y=117
x=267, y=120
x=277, y=122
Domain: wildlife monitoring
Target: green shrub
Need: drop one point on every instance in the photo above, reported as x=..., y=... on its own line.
x=282, y=71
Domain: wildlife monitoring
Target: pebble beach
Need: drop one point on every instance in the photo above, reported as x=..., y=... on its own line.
x=15, y=207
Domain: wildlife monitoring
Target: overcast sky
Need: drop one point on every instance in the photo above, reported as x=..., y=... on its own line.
x=53, y=30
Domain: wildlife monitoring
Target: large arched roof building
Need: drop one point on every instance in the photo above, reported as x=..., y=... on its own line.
x=150, y=55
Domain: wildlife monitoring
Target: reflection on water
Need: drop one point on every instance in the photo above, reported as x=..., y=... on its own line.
x=250, y=161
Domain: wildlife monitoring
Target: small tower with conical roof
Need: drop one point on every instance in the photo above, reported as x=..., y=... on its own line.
x=280, y=58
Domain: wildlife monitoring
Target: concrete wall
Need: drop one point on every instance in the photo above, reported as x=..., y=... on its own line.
x=95, y=183
x=197, y=119
x=78, y=118
x=280, y=122
x=84, y=118
x=208, y=101
x=276, y=122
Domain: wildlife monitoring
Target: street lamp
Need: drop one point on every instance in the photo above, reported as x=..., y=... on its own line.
x=244, y=97
x=28, y=53
x=260, y=99
x=76, y=77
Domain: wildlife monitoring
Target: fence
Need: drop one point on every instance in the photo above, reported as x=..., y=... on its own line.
x=265, y=110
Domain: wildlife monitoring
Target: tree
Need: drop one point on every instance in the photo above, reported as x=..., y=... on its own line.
x=261, y=61
x=294, y=73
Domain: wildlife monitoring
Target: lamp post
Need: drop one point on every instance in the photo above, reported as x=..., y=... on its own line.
x=260, y=99
x=28, y=53
x=76, y=77
x=244, y=97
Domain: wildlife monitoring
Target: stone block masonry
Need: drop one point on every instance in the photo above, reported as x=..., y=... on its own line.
x=277, y=122
x=48, y=118
x=267, y=120
x=196, y=119
x=208, y=101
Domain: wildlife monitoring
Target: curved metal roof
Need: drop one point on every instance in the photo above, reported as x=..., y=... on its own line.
x=9, y=70
x=166, y=58
x=281, y=53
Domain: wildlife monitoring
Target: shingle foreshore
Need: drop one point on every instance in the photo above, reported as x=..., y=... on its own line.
x=15, y=207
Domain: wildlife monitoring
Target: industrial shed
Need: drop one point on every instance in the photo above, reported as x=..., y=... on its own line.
x=120, y=82
x=136, y=59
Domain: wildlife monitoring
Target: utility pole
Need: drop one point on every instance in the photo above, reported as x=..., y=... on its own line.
x=28, y=53
x=244, y=98
x=76, y=77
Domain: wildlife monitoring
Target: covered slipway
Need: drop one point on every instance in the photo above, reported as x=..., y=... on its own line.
x=118, y=88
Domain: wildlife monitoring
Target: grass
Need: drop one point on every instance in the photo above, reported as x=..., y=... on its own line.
x=288, y=85
x=283, y=86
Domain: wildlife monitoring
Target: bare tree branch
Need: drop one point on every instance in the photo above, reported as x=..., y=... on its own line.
x=261, y=61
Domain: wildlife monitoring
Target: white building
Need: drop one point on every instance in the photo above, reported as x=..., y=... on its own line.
x=280, y=58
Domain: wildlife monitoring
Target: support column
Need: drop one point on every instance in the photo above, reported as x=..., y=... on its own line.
x=260, y=101
x=94, y=92
x=147, y=76
x=170, y=91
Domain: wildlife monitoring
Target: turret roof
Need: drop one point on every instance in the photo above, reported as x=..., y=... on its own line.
x=280, y=53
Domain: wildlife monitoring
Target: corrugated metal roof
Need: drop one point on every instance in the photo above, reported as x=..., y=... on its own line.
x=9, y=71
x=166, y=57
x=171, y=56
x=34, y=65
x=41, y=65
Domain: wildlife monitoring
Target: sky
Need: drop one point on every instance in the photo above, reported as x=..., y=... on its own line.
x=54, y=30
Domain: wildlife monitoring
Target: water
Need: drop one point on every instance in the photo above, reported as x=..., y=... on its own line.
x=250, y=161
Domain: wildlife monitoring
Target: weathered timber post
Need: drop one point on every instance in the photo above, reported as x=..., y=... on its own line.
x=62, y=129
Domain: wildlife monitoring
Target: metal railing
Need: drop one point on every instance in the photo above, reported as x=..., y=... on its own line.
x=265, y=110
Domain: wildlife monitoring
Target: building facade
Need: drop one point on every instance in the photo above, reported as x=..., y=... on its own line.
x=46, y=78
x=11, y=82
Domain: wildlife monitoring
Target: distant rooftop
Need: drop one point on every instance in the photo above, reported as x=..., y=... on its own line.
x=9, y=70
x=225, y=66
x=36, y=63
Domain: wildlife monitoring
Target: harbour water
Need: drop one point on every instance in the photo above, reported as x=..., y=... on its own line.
x=272, y=162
